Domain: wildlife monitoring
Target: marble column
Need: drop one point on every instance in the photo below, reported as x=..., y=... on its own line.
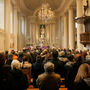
x=37, y=34
x=7, y=24
x=71, y=29
x=66, y=31
x=47, y=33
x=15, y=28
x=25, y=31
x=50, y=34
x=53, y=31
x=79, y=10
x=20, y=33
x=30, y=33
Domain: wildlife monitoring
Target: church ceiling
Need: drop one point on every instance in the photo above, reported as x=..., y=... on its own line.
x=34, y=4
x=30, y=6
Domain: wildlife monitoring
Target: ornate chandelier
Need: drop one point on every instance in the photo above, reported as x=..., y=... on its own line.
x=45, y=13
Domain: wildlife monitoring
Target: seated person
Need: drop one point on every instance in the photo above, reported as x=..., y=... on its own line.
x=48, y=80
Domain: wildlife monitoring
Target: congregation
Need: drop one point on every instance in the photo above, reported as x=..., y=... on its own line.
x=45, y=68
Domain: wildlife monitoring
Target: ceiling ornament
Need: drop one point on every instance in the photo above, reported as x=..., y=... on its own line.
x=45, y=13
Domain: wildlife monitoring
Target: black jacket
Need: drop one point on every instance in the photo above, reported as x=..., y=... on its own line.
x=20, y=79
x=6, y=79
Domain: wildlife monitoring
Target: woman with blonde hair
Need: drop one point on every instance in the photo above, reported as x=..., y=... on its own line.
x=82, y=80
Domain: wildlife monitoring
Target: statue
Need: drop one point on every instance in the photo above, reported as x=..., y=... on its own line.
x=42, y=36
x=42, y=32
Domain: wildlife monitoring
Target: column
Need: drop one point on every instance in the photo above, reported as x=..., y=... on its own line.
x=20, y=33
x=37, y=34
x=66, y=31
x=25, y=31
x=47, y=33
x=30, y=33
x=71, y=29
x=15, y=28
x=79, y=10
x=54, y=34
x=50, y=34
x=33, y=34
x=7, y=24
x=53, y=31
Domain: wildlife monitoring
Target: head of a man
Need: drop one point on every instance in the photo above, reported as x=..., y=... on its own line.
x=49, y=67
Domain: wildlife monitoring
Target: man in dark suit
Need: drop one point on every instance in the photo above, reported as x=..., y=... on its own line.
x=37, y=69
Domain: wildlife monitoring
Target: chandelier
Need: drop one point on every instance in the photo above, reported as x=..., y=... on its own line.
x=45, y=13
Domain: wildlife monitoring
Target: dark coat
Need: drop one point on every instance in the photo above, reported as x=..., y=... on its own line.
x=20, y=79
x=37, y=69
x=6, y=79
x=59, y=66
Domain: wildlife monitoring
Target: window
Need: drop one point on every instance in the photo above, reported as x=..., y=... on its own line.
x=75, y=25
x=2, y=14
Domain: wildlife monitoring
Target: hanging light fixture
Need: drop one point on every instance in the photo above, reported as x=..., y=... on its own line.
x=45, y=13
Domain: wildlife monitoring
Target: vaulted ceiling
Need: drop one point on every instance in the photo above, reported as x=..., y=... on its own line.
x=29, y=6
x=33, y=4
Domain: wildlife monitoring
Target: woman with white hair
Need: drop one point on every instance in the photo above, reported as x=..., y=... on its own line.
x=82, y=79
x=20, y=78
x=48, y=80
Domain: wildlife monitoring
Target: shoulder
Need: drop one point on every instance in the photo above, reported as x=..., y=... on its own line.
x=56, y=75
x=42, y=75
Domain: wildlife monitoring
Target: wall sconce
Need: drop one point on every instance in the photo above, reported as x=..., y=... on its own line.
x=85, y=7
